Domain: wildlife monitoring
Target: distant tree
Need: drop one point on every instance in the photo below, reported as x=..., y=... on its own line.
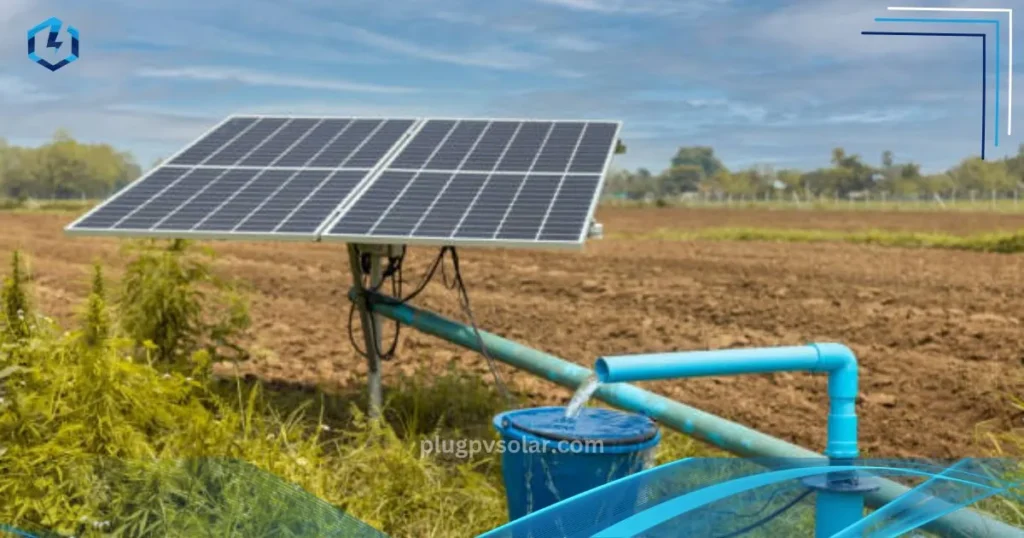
x=617, y=182
x=62, y=135
x=910, y=171
x=983, y=176
x=64, y=168
x=887, y=160
x=838, y=156
x=681, y=178
x=790, y=179
x=941, y=184
x=1015, y=165
x=700, y=156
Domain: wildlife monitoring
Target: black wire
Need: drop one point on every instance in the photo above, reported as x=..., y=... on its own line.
x=444, y=274
x=464, y=300
x=770, y=516
x=393, y=273
x=456, y=283
x=427, y=277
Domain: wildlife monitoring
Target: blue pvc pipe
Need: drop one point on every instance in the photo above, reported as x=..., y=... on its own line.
x=725, y=434
x=628, y=368
x=835, y=359
x=836, y=510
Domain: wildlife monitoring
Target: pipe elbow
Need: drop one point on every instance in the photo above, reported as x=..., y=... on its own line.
x=841, y=365
x=602, y=370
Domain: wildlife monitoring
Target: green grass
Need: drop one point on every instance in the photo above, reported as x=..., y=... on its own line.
x=976, y=206
x=1001, y=242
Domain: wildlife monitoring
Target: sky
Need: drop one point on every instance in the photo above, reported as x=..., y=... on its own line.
x=764, y=83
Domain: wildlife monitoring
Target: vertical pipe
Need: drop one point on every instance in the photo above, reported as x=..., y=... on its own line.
x=837, y=507
x=836, y=511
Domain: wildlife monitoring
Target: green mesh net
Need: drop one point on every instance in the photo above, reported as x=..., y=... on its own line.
x=212, y=498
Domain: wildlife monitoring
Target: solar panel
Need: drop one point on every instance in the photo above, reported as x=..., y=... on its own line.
x=487, y=183
x=252, y=177
x=439, y=181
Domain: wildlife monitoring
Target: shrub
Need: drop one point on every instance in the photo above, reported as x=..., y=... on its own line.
x=170, y=297
x=17, y=318
x=95, y=317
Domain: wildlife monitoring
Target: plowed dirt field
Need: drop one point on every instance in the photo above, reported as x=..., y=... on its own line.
x=938, y=333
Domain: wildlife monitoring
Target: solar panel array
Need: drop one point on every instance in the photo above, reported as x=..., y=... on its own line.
x=487, y=182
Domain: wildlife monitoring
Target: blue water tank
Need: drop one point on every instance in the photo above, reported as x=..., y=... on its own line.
x=547, y=458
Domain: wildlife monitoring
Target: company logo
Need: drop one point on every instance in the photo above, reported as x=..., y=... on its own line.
x=53, y=24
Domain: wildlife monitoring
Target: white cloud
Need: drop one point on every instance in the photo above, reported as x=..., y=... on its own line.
x=11, y=8
x=568, y=73
x=564, y=42
x=104, y=125
x=878, y=116
x=735, y=109
x=651, y=7
x=16, y=90
x=460, y=17
x=357, y=108
x=575, y=44
x=833, y=28
x=259, y=78
x=600, y=6
x=491, y=56
x=174, y=113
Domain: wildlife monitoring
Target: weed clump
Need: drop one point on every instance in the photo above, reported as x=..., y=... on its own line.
x=17, y=320
x=95, y=317
x=171, y=299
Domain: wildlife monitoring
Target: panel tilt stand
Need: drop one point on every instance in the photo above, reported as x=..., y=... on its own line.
x=369, y=321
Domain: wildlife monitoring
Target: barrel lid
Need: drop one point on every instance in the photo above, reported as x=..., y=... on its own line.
x=592, y=424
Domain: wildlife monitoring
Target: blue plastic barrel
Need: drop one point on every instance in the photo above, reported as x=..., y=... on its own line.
x=547, y=458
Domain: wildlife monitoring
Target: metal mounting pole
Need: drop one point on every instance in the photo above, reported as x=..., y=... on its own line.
x=370, y=322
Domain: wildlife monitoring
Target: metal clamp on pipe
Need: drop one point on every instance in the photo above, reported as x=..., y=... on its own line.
x=840, y=495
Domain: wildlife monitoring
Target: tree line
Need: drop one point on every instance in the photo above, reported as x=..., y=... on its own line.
x=695, y=170
x=64, y=168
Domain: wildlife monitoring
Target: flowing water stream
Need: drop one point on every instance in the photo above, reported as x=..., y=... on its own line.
x=582, y=395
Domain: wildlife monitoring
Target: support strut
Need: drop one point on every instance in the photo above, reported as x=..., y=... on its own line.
x=370, y=321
